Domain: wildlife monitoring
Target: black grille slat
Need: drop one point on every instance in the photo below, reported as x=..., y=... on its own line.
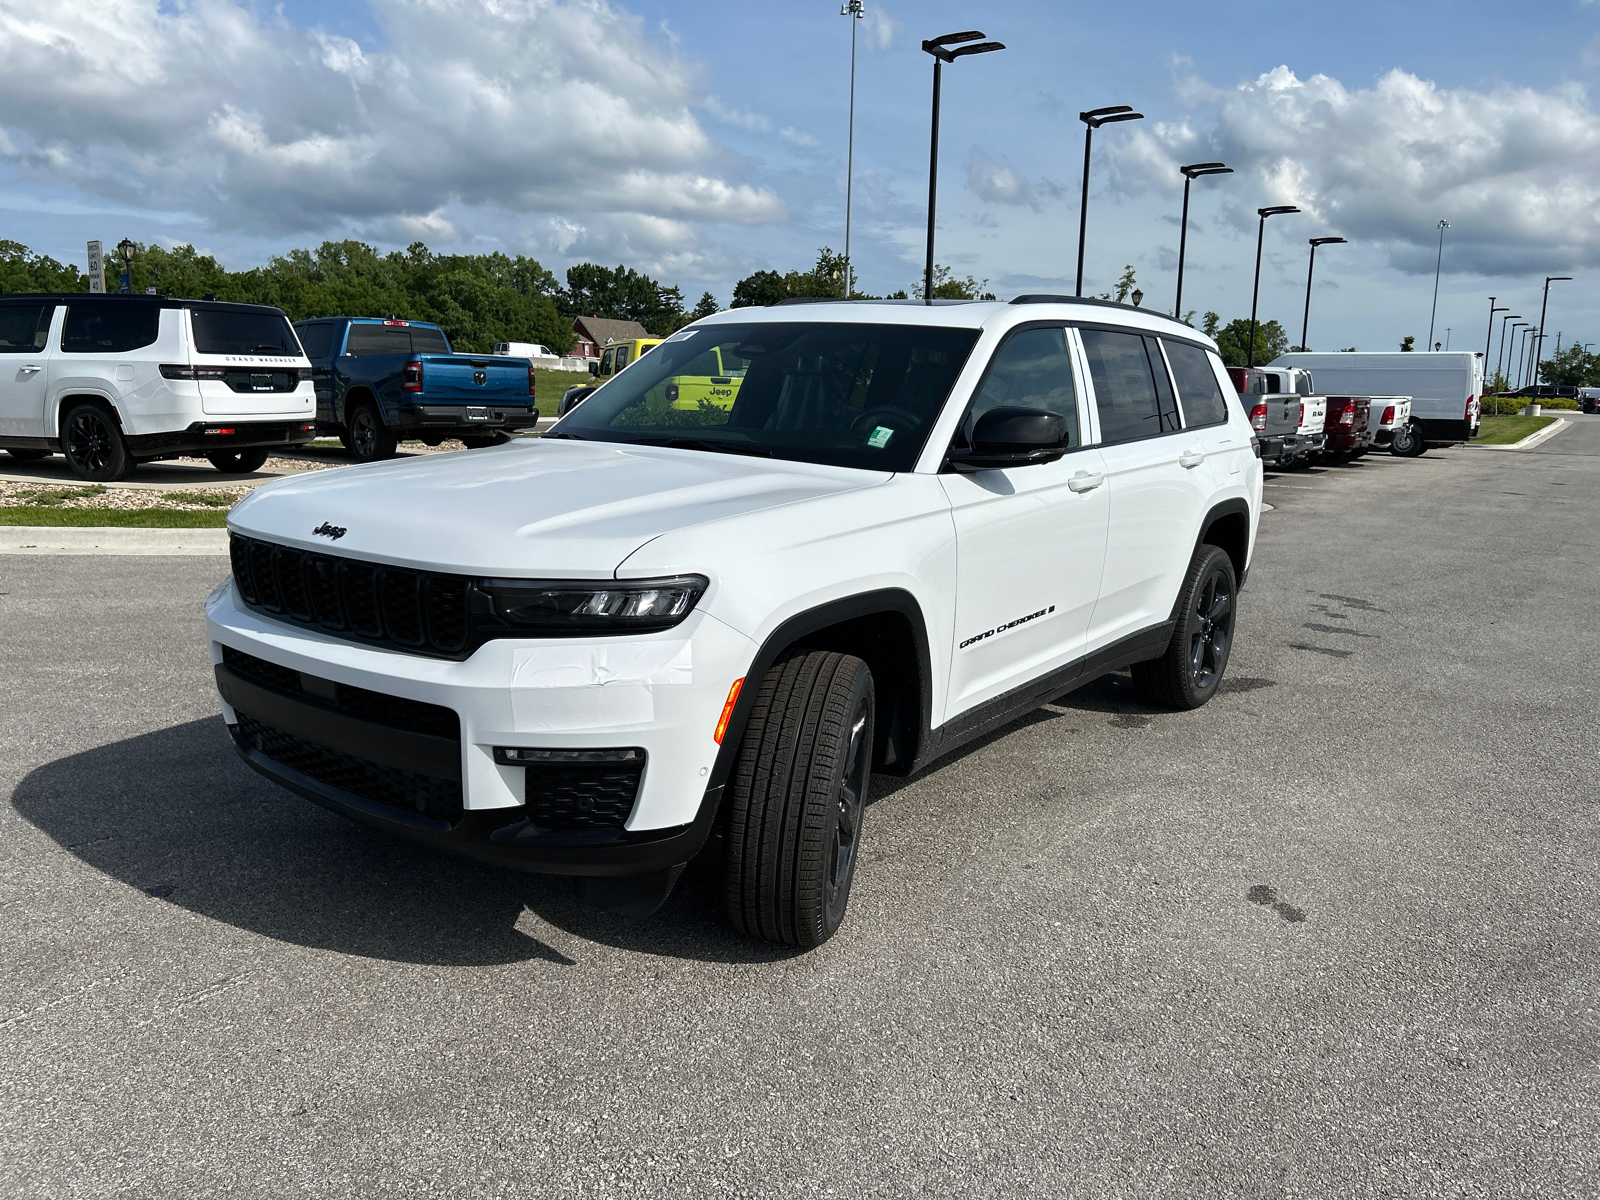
x=400, y=594
x=358, y=588
x=322, y=586
x=261, y=672
x=264, y=577
x=397, y=712
x=290, y=575
x=239, y=554
x=580, y=797
x=444, y=600
x=437, y=798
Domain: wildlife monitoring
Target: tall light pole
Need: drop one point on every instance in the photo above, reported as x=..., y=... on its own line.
x=1488, y=339
x=855, y=9
x=1439, y=262
x=1092, y=120
x=1190, y=173
x=1255, y=291
x=1522, y=351
x=1500, y=359
x=1310, y=267
x=1538, y=345
x=939, y=47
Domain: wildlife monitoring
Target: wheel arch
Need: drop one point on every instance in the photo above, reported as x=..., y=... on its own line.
x=1227, y=527
x=355, y=396
x=82, y=396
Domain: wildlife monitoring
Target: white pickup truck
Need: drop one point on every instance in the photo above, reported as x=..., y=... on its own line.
x=1390, y=415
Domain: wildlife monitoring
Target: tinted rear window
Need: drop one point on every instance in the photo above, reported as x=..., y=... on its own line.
x=221, y=332
x=1197, y=385
x=317, y=339
x=395, y=339
x=110, y=326
x=428, y=341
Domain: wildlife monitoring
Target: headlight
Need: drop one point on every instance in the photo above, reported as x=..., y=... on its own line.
x=594, y=607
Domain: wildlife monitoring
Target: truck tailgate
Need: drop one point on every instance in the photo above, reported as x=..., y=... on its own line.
x=470, y=379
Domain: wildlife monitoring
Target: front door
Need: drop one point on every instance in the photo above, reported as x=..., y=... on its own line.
x=24, y=363
x=1030, y=541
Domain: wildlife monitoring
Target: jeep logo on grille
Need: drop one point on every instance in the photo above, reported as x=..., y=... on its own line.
x=329, y=531
x=480, y=377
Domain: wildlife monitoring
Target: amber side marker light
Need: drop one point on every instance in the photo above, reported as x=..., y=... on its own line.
x=727, y=710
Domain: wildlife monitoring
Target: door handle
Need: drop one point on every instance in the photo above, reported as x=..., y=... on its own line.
x=1190, y=459
x=1085, y=482
x=31, y=370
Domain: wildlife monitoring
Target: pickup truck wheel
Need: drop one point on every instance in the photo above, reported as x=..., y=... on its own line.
x=797, y=796
x=92, y=442
x=28, y=455
x=370, y=438
x=238, y=462
x=1407, y=441
x=1188, y=674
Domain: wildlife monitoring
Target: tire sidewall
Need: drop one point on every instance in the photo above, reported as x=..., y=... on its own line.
x=1214, y=562
x=118, y=461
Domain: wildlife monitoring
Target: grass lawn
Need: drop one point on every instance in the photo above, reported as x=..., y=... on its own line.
x=550, y=385
x=115, y=518
x=1502, y=431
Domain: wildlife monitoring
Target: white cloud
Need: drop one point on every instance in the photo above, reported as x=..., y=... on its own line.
x=752, y=122
x=257, y=126
x=879, y=29
x=995, y=181
x=1516, y=171
x=798, y=136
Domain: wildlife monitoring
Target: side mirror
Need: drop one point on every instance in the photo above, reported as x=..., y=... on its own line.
x=1013, y=437
x=594, y=368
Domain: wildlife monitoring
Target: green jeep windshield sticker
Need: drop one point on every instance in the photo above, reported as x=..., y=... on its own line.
x=880, y=437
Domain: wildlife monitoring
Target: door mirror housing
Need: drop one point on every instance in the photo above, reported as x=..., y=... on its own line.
x=594, y=368
x=1013, y=437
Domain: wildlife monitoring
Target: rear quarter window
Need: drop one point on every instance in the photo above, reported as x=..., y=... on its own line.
x=1198, y=390
x=109, y=326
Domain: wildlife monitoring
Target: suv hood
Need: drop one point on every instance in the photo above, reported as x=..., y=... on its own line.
x=536, y=507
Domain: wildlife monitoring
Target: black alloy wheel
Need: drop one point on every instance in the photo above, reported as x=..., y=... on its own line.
x=852, y=806
x=239, y=462
x=93, y=445
x=1191, y=670
x=370, y=439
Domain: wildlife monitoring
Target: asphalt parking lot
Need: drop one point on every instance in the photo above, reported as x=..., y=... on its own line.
x=1332, y=935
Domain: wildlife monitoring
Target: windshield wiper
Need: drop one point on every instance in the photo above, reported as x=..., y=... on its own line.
x=684, y=443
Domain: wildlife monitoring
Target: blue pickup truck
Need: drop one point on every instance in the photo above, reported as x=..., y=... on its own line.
x=380, y=382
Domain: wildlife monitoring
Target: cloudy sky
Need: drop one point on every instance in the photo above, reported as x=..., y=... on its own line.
x=701, y=142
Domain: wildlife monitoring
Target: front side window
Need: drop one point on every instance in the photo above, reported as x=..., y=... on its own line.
x=25, y=328
x=1032, y=370
x=220, y=331
x=1125, y=392
x=843, y=394
x=111, y=326
x=1203, y=403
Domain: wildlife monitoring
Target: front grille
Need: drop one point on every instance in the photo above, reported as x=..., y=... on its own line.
x=581, y=797
x=417, y=610
x=437, y=798
x=396, y=712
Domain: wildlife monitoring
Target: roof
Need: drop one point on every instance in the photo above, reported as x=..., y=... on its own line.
x=137, y=298
x=601, y=330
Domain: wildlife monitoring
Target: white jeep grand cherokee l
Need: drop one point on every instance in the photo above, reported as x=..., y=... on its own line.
x=113, y=381
x=899, y=527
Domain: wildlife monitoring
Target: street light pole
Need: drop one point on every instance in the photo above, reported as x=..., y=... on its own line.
x=1190, y=173
x=939, y=47
x=855, y=9
x=1488, y=339
x=1538, y=345
x=1305, y=324
x=1255, y=291
x=1522, y=351
x=1092, y=120
x=1439, y=262
x=1500, y=359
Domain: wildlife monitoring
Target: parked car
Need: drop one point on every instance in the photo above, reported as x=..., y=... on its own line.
x=1588, y=399
x=1387, y=414
x=584, y=653
x=113, y=381
x=1444, y=386
x=1274, y=414
x=382, y=381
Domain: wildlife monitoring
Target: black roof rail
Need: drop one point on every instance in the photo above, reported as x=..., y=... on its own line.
x=1050, y=299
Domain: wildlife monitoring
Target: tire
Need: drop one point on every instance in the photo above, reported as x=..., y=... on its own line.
x=797, y=796
x=92, y=441
x=28, y=455
x=488, y=439
x=238, y=462
x=1408, y=442
x=1191, y=670
x=370, y=439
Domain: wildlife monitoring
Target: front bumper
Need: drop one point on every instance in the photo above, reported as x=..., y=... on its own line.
x=662, y=693
x=221, y=434
x=465, y=415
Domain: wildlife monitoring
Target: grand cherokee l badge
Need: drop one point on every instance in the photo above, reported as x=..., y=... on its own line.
x=330, y=531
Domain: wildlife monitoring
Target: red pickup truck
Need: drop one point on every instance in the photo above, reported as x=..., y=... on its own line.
x=1348, y=434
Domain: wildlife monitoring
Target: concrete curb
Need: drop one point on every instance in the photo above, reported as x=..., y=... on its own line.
x=47, y=539
x=1533, y=439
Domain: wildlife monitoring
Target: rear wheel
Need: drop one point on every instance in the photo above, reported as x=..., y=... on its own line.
x=238, y=462
x=370, y=439
x=28, y=455
x=1190, y=672
x=92, y=441
x=1408, y=441
x=797, y=797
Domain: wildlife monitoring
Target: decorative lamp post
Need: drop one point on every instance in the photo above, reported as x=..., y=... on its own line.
x=1439, y=262
x=939, y=47
x=1092, y=120
x=1137, y=297
x=1255, y=292
x=1500, y=359
x=1538, y=344
x=1305, y=324
x=1488, y=340
x=125, y=251
x=1190, y=173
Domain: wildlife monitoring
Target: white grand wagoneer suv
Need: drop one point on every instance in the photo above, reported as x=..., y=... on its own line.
x=113, y=381
x=587, y=653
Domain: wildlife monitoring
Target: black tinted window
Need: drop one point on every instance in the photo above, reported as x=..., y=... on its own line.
x=217, y=331
x=428, y=341
x=378, y=339
x=24, y=328
x=1032, y=370
x=109, y=326
x=317, y=339
x=1124, y=386
x=1203, y=403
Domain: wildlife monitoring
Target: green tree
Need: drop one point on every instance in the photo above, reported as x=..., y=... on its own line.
x=947, y=287
x=1573, y=367
x=1233, y=341
x=1408, y=343
x=24, y=271
x=622, y=294
x=759, y=290
x=1124, y=288
x=706, y=307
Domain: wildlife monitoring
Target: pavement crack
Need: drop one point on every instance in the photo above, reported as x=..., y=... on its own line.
x=1337, y=629
x=1328, y=650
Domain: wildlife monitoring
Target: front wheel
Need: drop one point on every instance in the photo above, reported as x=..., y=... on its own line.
x=797, y=797
x=1190, y=672
x=92, y=441
x=238, y=462
x=1408, y=441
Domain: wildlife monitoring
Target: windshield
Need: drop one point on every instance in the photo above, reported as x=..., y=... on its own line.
x=824, y=392
x=218, y=331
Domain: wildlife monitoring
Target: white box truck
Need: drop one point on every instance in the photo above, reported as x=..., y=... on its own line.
x=1445, y=389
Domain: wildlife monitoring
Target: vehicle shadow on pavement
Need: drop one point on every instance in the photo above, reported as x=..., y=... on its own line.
x=174, y=814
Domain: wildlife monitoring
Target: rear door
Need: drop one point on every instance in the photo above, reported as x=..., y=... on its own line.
x=24, y=367
x=1030, y=540
x=1196, y=373
x=321, y=342
x=1153, y=484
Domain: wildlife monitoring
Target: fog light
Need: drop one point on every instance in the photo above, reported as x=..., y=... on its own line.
x=521, y=756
